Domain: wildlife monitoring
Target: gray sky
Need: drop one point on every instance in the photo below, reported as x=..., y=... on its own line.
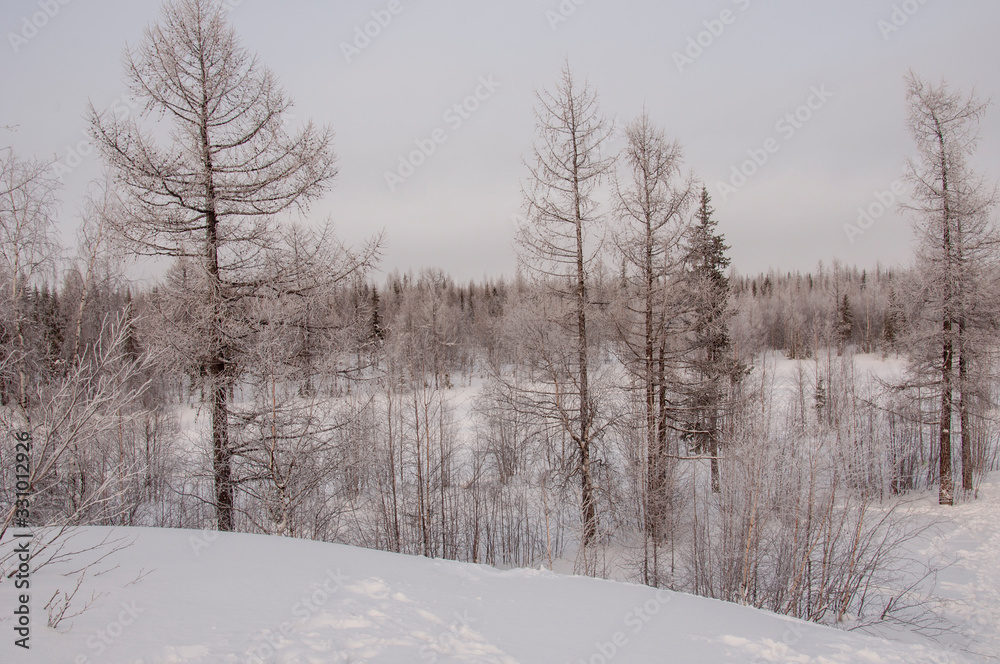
x=455, y=211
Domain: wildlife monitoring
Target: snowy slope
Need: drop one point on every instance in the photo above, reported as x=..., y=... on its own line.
x=967, y=545
x=240, y=596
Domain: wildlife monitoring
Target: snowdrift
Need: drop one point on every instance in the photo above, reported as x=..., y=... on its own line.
x=209, y=597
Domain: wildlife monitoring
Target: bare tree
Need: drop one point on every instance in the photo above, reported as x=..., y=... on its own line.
x=214, y=191
x=286, y=430
x=557, y=247
x=956, y=239
x=650, y=206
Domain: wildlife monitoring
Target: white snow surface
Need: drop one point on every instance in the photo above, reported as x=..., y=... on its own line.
x=248, y=598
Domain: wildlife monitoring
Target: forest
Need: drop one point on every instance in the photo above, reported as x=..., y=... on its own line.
x=626, y=405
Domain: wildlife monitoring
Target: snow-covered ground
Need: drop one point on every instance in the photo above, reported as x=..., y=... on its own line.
x=245, y=598
x=967, y=544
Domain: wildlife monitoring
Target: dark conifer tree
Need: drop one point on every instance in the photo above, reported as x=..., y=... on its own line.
x=376, y=331
x=845, y=324
x=711, y=358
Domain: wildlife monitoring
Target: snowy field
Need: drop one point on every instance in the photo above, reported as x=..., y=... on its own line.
x=206, y=597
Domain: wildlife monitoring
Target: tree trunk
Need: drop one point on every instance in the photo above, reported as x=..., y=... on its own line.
x=587, y=504
x=946, y=493
x=216, y=366
x=713, y=451
x=965, y=433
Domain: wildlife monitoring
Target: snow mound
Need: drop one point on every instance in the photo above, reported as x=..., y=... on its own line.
x=226, y=598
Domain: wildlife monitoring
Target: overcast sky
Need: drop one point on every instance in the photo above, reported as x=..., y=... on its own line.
x=758, y=62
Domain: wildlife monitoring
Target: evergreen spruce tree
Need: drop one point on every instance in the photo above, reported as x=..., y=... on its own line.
x=893, y=320
x=376, y=331
x=711, y=359
x=845, y=324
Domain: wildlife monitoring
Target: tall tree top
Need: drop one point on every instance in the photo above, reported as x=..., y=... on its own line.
x=566, y=167
x=707, y=247
x=228, y=152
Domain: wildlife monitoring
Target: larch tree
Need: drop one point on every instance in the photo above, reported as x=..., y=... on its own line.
x=557, y=246
x=650, y=206
x=957, y=246
x=213, y=191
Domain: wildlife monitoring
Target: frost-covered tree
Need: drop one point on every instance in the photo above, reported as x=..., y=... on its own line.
x=650, y=205
x=709, y=354
x=557, y=246
x=957, y=249
x=28, y=252
x=212, y=191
